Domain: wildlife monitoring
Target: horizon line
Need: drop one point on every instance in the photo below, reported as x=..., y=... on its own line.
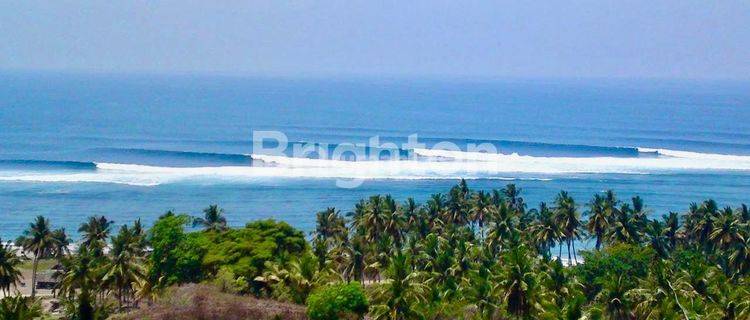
x=361, y=76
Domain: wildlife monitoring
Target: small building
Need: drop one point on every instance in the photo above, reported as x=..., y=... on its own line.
x=46, y=281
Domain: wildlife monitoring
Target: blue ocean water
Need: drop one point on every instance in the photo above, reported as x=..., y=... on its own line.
x=134, y=146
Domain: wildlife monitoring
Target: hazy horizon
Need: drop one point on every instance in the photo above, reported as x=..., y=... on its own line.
x=375, y=78
x=433, y=40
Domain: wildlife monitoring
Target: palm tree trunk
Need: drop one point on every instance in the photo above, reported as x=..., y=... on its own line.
x=575, y=258
x=598, y=241
x=677, y=300
x=559, y=253
x=35, y=264
x=569, y=257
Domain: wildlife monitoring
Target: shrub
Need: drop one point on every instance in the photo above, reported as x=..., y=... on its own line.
x=20, y=308
x=169, y=258
x=227, y=282
x=183, y=257
x=339, y=301
x=630, y=261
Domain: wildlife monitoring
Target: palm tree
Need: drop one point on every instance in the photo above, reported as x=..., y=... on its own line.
x=502, y=225
x=457, y=207
x=10, y=264
x=374, y=217
x=497, y=197
x=482, y=290
x=560, y=283
x=464, y=188
x=400, y=296
x=639, y=209
x=638, y=214
x=380, y=253
x=613, y=296
x=704, y=217
x=690, y=220
x=124, y=268
x=139, y=234
x=393, y=224
x=743, y=213
x=481, y=209
x=567, y=215
x=727, y=230
x=657, y=239
x=520, y=282
x=330, y=224
x=213, y=219
x=671, y=228
x=351, y=257
x=413, y=214
x=571, y=309
x=95, y=233
x=513, y=196
x=624, y=228
x=435, y=209
x=732, y=303
x=20, y=308
x=739, y=257
x=545, y=232
x=463, y=258
x=358, y=217
x=598, y=222
x=39, y=240
x=295, y=280
x=61, y=244
x=610, y=205
x=79, y=279
x=659, y=295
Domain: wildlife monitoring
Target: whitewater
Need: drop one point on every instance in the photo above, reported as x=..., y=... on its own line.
x=425, y=165
x=127, y=147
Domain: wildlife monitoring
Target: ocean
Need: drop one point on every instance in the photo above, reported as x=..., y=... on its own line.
x=135, y=146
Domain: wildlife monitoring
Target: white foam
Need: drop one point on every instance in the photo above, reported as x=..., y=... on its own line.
x=666, y=160
x=140, y=175
x=433, y=164
x=696, y=155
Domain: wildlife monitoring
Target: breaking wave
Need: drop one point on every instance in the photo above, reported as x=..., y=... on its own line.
x=428, y=164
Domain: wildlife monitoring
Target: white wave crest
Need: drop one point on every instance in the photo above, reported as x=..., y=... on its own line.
x=141, y=175
x=432, y=164
x=696, y=155
x=666, y=160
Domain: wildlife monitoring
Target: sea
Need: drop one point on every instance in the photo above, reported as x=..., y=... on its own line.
x=132, y=146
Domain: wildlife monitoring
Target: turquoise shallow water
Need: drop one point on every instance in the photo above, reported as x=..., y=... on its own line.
x=64, y=140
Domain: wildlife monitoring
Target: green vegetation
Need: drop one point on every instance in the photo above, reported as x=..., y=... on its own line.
x=181, y=257
x=11, y=264
x=19, y=308
x=338, y=301
x=461, y=255
x=39, y=240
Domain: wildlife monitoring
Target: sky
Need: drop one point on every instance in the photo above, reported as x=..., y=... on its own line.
x=676, y=39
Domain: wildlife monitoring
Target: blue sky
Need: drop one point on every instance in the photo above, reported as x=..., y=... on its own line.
x=679, y=39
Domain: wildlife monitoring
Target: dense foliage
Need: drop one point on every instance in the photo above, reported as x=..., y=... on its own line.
x=461, y=255
x=338, y=301
x=180, y=257
x=487, y=255
x=19, y=308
